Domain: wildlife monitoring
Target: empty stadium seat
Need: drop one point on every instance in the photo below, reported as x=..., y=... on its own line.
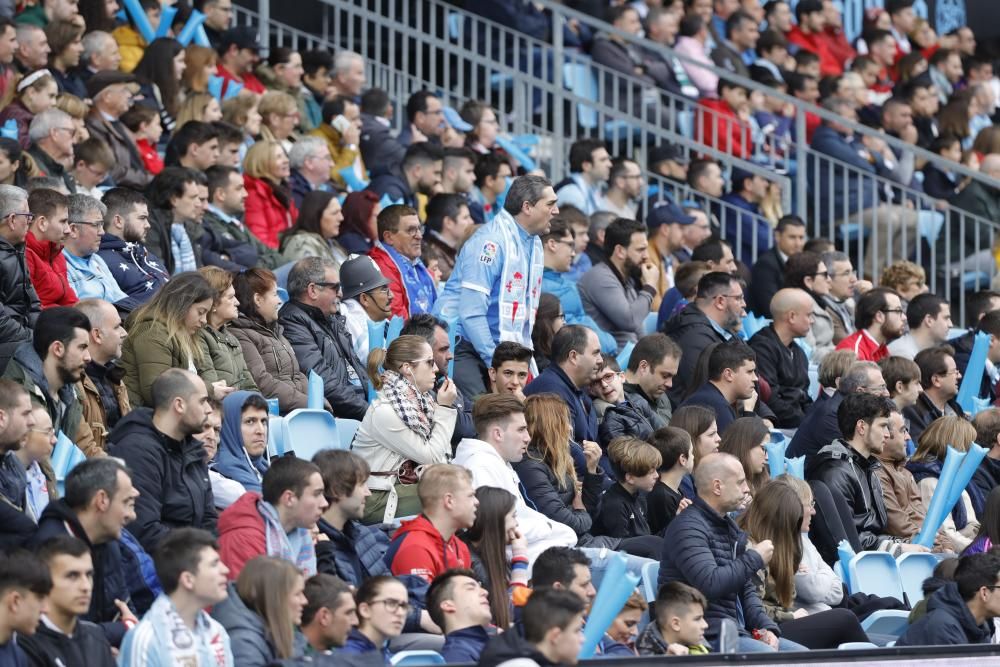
x=276, y=436
x=875, y=573
x=650, y=574
x=886, y=622
x=913, y=569
x=309, y=431
x=346, y=428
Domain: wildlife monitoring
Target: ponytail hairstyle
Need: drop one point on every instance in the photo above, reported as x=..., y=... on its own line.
x=403, y=350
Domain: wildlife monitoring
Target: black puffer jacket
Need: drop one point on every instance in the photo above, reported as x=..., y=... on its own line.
x=852, y=476
x=948, y=621
x=171, y=477
x=541, y=488
x=323, y=344
x=786, y=370
x=693, y=331
x=87, y=646
x=705, y=549
x=625, y=418
x=19, y=304
x=109, y=576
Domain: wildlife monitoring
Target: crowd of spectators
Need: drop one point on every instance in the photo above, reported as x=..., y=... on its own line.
x=573, y=377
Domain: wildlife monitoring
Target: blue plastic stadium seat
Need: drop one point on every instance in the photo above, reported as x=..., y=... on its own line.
x=346, y=428
x=913, y=570
x=649, y=325
x=309, y=431
x=876, y=573
x=580, y=78
x=650, y=574
x=413, y=658
x=854, y=646
x=886, y=622
x=276, y=435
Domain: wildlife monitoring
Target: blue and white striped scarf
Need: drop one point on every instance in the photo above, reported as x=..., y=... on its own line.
x=180, y=245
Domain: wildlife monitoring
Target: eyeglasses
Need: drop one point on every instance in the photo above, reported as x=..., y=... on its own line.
x=28, y=216
x=824, y=274
x=568, y=244
x=87, y=223
x=738, y=297
x=412, y=231
x=392, y=605
x=383, y=290
x=47, y=431
x=894, y=310
x=71, y=130
x=334, y=286
x=429, y=362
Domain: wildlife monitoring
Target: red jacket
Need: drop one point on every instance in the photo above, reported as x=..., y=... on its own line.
x=417, y=548
x=47, y=268
x=864, y=346
x=816, y=42
x=718, y=126
x=265, y=216
x=241, y=533
x=400, y=302
x=150, y=158
x=249, y=81
x=837, y=44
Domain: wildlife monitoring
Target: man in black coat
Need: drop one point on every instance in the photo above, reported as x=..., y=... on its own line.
x=319, y=336
x=819, y=426
x=167, y=463
x=19, y=304
x=99, y=501
x=226, y=241
x=781, y=361
x=732, y=372
x=848, y=468
x=16, y=409
x=63, y=637
x=705, y=549
x=714, y=317
x=940, y=379
x=767, y=275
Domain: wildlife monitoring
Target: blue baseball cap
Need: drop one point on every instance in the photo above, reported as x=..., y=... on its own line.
x=455, y=121
x=668, y=213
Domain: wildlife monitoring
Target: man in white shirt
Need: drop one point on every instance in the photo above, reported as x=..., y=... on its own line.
x=503, y=439
x=929, y=319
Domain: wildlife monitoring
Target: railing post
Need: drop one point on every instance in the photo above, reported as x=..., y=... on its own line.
x=264, y=12
x=559, y=130
x=801, y=144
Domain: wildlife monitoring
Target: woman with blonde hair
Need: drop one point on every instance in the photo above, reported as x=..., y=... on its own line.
x=280, y=114
x=547, y=472
x=262, y=612
x=199, y=64
x=198, y=106
x=777, y=515
x=404, y=427
x=35, y=93
x=961, y=526
x=221, y=353
x=163, y=334
x=625, y=628
x=269, y=208
x=77, y=110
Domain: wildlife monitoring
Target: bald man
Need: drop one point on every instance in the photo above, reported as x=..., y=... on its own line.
x=781, y=361
x=704, y=548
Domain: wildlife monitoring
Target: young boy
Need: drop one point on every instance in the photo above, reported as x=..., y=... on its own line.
x=680, y=623
x=621, y=417
x=24, y=585
x=144, y=123
x=666, y=499
x=623, y=510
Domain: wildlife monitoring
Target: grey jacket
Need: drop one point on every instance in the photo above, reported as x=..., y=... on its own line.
x=820, y=336
x=615, y=303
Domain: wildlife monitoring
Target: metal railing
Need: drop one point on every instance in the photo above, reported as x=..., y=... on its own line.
x=559, y=94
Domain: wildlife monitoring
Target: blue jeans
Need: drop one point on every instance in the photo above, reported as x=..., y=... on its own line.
x=751, y=645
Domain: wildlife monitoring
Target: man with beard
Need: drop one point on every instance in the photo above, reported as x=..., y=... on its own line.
x=714, y=317
x=87, y=272
x=420, y=173
x=168, y=464
x=138, y=272
x=879, y=318
x=51, y=363
x=576, y=362
x=16, y=418
x=397, y=255
x=618, y=293
x=105, y=400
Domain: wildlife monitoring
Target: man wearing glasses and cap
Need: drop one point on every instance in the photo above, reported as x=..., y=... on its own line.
x=365, y=298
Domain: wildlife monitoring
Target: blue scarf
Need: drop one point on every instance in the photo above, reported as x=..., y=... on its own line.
x=180, y=245
x=932, y=468
x=417, y=281
x=232, y=460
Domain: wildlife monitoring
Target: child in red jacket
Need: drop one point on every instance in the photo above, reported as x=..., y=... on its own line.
x=144, y=124
x=724, y=123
